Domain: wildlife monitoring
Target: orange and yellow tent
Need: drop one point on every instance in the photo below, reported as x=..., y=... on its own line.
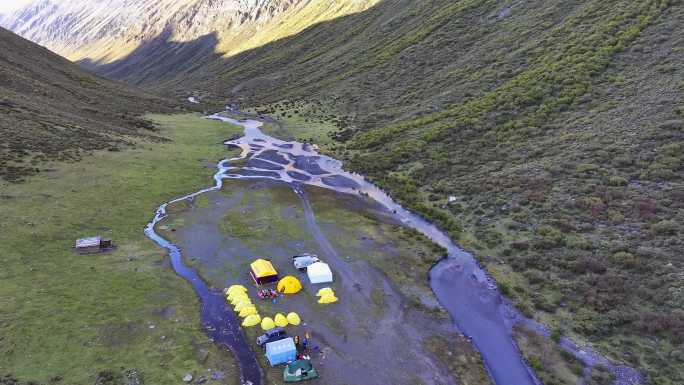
x=262, y=271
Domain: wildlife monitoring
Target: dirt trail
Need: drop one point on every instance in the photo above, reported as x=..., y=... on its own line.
x=392, y=331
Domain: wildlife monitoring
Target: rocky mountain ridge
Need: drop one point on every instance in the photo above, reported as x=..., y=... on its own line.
x=104, y=31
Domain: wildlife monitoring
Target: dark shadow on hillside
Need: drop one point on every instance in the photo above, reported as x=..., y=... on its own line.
x=159, y=61
x=153, y=60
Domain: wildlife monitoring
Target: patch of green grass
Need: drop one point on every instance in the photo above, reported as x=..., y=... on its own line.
x=599, y=376
x=73, y=316
x=300, y=120
x=257, y=219
x=551, y=364
x=459, y=356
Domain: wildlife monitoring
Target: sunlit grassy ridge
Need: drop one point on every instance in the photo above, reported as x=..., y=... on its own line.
x=297, y=18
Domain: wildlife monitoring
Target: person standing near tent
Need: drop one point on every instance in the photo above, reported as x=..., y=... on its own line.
x=305, y=344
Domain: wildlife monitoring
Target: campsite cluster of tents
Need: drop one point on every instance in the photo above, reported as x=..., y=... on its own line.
x=263, y=272
x=237, y=296
x=279, y=348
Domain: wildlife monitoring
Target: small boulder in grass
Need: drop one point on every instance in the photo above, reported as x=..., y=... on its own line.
x=187, y=378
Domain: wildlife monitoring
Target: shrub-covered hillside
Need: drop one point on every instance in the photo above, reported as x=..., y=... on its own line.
x=569, y=181
x=50, y=109
x=556, y=125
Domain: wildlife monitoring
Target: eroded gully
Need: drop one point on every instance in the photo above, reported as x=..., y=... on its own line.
x=459, y=283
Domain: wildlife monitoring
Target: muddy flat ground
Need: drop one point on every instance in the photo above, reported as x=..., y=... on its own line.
x=387, y=327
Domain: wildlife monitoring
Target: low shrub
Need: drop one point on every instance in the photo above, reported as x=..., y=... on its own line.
x=672, y=125
x=617, y=181
x=665, y=227
x=625, y=259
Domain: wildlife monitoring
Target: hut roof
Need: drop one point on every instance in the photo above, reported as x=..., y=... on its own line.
x=88, y=242
x=263, y=268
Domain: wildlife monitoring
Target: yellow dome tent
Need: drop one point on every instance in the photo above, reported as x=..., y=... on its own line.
x=251, y=320
x=236, y=293
x=289, y=285
x=236, y=288
x=262, y=272
x=327, y=299
x=237, y=299
x=325, y=291
x=293, y=319
x=233, y=296
x=247, y=311
x=280, y=320
x=242, y=305
x=267, y=323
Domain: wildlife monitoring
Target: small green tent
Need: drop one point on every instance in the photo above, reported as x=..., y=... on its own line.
x=300, y=370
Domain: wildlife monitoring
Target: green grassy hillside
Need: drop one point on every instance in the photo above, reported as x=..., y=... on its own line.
x=557, y=126
x=50, y=109
x=122, y=317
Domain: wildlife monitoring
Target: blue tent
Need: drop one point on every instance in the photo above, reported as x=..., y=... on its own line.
x=281, y=352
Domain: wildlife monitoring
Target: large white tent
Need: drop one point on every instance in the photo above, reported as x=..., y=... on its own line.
x=319, y=272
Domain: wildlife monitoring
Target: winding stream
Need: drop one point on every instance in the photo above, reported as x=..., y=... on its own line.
x=459, y=283
x=218, y=319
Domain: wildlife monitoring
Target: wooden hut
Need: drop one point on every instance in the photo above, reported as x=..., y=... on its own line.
x=93, y=245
